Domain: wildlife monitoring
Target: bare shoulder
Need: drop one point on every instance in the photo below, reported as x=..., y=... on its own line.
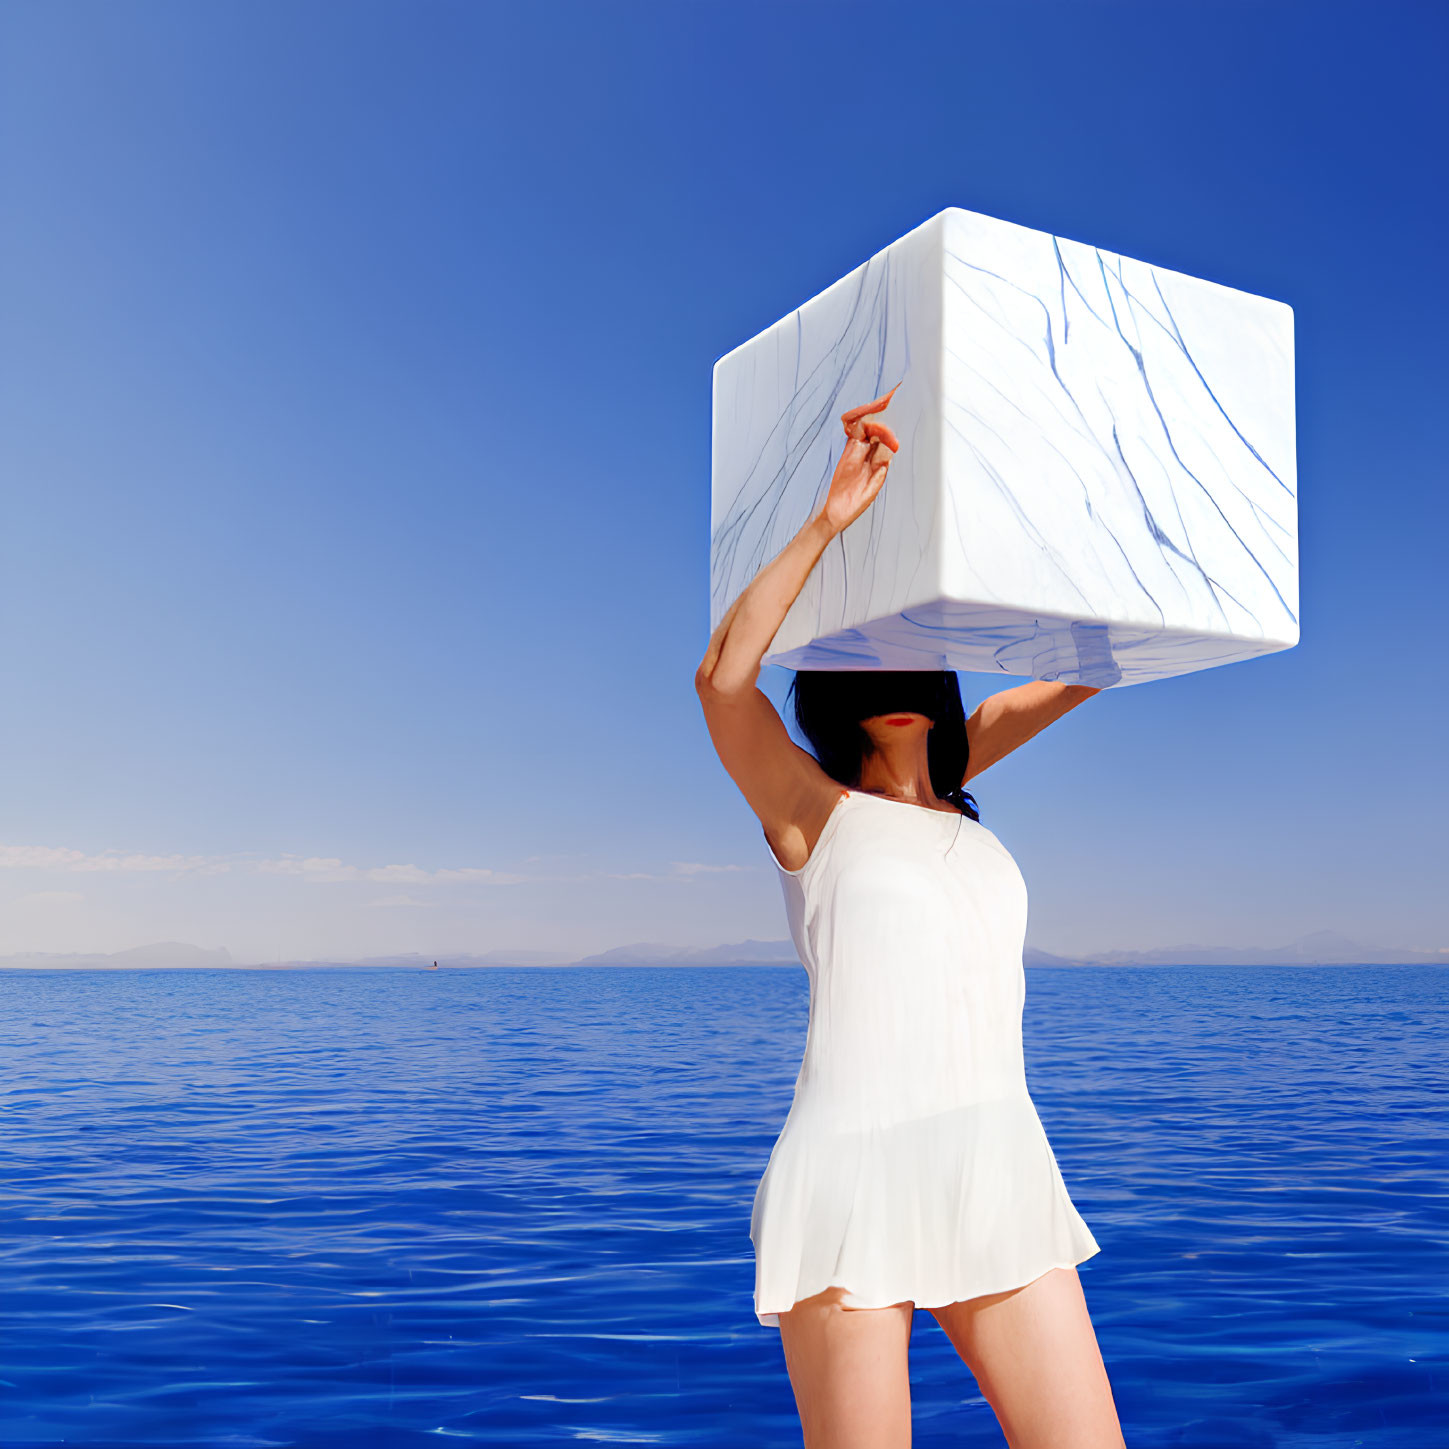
x=793, y=840
x=792, y=797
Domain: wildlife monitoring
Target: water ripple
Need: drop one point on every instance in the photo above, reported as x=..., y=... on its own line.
x=396, y=1208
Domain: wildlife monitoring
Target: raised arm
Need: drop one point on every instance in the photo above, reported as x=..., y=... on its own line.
x=783, y=784
x=1010, y=717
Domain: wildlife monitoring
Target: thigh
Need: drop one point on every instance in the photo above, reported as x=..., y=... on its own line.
x=1034, y=1354
x=849, y=1368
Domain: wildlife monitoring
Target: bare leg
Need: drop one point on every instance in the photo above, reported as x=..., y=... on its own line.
x=1035, y=1357
x=850, y=1372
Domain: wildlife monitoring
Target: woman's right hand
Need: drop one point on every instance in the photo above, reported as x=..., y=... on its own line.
x=862, y=468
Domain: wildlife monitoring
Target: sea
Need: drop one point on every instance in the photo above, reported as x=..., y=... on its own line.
x=357, y=1207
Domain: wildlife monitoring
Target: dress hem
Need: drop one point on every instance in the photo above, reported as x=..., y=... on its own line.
x=770, y=1317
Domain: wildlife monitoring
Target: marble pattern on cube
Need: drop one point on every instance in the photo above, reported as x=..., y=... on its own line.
x=1096, y=481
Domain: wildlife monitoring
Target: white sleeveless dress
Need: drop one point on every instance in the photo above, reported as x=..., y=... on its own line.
x=912, y=1164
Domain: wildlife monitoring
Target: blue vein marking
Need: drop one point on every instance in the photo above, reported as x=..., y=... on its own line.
x=1066, y=276
x=1088, y=434
x=730, y=534
x=1152, y=398
x=1178, y=336
x=1022, y=516
x=1163, y=540
x=1135, y=302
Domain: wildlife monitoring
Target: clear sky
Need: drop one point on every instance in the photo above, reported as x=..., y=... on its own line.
x=355, y=431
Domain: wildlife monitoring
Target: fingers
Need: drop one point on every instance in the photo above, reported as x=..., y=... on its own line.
x=856, y=429
x=881, y=433
x=869, y=434
x=879, y=405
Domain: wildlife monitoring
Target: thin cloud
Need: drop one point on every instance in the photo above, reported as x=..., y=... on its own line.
x=51, y=857
x=45, y=898
x=325, y=869
x=310, y=868
x=679, y=870
x=330, y=870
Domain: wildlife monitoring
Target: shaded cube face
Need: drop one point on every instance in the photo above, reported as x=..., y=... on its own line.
x=1096, y=481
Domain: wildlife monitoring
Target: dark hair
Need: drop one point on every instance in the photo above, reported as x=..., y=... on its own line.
x=830, y=704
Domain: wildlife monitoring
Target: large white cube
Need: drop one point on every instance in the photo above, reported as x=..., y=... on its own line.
x=1096, y=481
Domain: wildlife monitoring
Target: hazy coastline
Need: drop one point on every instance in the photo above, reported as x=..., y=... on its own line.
x=1318, y=948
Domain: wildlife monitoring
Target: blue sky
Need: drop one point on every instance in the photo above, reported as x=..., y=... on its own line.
x=355, y=427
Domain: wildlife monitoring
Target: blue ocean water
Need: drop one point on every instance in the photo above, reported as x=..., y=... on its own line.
x=351, y=1207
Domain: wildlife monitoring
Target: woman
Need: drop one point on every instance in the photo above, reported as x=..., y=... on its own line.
x=912, y=1169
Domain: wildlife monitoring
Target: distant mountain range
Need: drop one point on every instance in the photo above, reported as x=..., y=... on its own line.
x=1318, y=948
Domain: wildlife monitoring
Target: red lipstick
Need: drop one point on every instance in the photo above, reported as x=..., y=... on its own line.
x=899, y=719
